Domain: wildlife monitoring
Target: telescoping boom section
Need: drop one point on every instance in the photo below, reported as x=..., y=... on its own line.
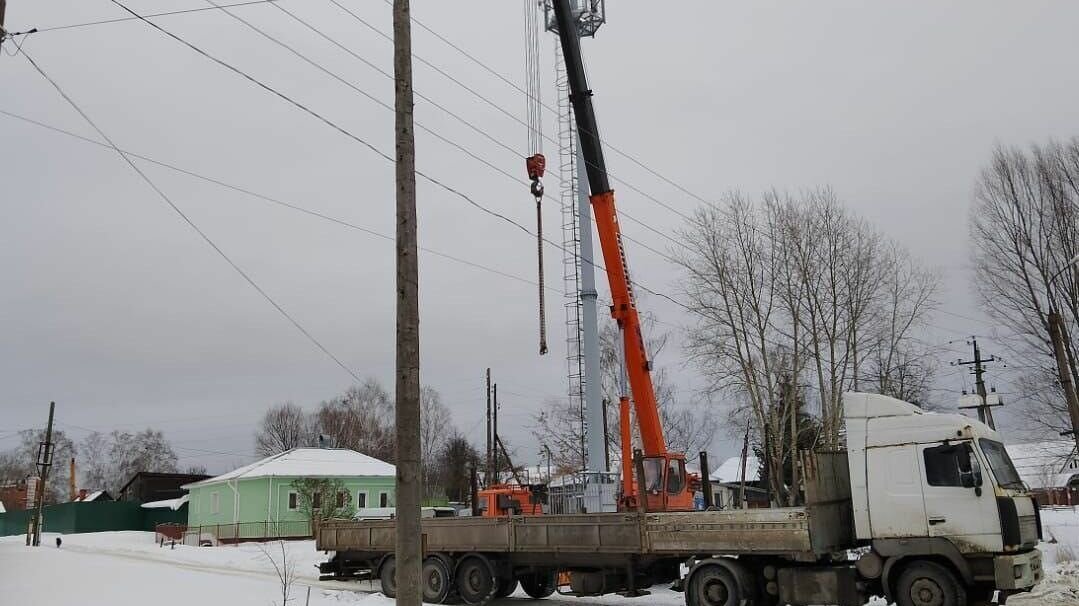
x=665, y=483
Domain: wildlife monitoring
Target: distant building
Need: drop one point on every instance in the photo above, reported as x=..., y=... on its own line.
x=727, y=484
x=261, y=494
x=1049, y=469
x=14, y=496
x=146, y=487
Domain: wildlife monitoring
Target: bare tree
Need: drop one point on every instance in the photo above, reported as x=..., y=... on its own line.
x=147, y=450
x=453, y=467
x=284, y=427
x=21, y=462
x=284, y=566
x=360, y=419
x=1023, y=225
x=799, y=301
x=436, y=426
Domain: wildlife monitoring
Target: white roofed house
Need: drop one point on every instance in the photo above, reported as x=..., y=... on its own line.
x=1050, y=469
x=727, y=483
x=266, y=499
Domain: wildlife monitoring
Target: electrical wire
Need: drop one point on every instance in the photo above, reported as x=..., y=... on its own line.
x=121, y=19
x=187, y=219
x=276, y=201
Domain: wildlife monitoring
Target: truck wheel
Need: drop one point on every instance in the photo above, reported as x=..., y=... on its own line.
x=539, y=585
x=713, y=586
x=475, y=579
x=437, y=581
x=929, y=584
x=387, y=575
x=506, y=586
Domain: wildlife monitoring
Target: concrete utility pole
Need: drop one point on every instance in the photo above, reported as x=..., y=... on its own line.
x=44, y=462
x=1057, y=335
x=409, y=540
x=985, y=409
x=494, y=438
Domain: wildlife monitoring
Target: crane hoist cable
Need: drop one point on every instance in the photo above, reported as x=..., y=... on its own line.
x=535, y=163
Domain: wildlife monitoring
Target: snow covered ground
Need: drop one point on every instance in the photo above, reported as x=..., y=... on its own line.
x=129, y=569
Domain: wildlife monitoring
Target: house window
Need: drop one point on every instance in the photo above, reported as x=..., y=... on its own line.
x=293, y=501
x=215, y=502
x=316, y=501
x=383, y=499
x=361, y=499
x=342, y=499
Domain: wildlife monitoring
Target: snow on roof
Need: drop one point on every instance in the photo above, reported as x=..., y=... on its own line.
x=173, y=504
x=731, y=470
x=93, y=496
x=308, y=463
x=2, y=510
x=1044, y=464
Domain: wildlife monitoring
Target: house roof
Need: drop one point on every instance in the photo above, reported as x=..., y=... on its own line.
x=173, y=504
x=308, y=463
x=2, y=510
x=1045, y=464
x=731, y=470
x=186, y=477
x=99, y=495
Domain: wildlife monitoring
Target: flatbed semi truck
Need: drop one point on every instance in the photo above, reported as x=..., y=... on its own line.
x=922, y=509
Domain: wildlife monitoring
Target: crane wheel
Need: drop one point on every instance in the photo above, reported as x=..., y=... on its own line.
x=929, y=584
x=539, y=585
x=476, y=581
x=387, y=575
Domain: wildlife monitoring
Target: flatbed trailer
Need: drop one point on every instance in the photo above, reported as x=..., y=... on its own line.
x=479, y=558
x=921, y=509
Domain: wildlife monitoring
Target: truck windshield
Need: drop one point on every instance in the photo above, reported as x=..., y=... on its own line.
x=1001, y=464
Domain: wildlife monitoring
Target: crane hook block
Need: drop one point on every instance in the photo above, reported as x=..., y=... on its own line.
x=536, y=165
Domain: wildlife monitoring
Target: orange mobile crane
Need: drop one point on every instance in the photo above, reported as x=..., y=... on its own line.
x=667, y=486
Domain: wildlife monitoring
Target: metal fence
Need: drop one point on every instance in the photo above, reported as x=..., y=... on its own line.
x=230, y=534
x=583, y=492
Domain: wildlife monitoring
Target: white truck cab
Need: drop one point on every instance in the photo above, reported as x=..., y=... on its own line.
x=938, y=485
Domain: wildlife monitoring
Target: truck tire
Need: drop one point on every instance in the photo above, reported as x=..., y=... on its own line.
x=387, y=576
x=437, y=581
x=476, y=582
x=929, y=584
x=539, y=585
x=714, y=585
x=506, y=586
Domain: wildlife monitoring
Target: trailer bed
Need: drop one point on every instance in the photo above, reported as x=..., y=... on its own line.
x=786, y=531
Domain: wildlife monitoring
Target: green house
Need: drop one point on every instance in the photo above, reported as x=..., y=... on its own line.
x=259, y=500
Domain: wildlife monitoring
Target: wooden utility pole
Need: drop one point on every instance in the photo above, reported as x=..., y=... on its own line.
x=409, y=540
x=791, y=394
x=44, y=462
x=742, y=483
x=1056, y=334
x=489, y=470
x=3, y=9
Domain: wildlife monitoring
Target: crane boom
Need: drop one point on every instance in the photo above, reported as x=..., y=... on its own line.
x=624, y=308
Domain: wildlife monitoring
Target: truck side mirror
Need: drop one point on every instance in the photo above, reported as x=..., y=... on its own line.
x=970, y=471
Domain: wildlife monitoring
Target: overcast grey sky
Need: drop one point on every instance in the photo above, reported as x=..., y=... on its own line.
x=116, y=309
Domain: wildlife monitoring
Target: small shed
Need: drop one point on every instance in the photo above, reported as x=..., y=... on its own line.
x=260, y=500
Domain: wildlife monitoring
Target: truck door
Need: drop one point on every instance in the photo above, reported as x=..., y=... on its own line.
x=956, y=506
x=896, y=504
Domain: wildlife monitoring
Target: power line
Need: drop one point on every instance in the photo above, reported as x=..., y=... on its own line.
x=188, y=220
x=275, y=201
x=39, y=30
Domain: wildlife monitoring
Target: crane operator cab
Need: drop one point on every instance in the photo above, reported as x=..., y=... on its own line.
x=667, y=485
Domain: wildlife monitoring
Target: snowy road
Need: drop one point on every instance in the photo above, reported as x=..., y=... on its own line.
x=128, y=569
